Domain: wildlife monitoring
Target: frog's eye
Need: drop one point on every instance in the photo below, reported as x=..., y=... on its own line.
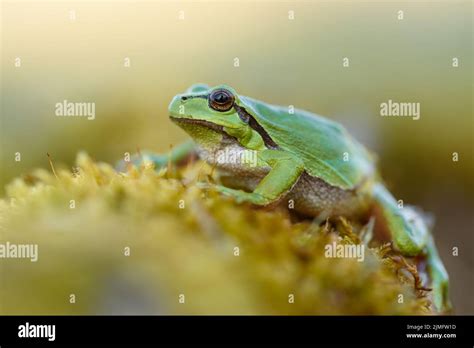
x=221, y=100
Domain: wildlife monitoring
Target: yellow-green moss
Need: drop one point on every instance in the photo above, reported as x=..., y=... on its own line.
x=182, y=240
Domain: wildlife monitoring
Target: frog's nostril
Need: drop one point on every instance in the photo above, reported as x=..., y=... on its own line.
x=184, y=98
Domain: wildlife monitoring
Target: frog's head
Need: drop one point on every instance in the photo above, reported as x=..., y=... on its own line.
x=206, y=113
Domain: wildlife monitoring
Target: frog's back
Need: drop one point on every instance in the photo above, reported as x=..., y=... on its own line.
x=328, y=151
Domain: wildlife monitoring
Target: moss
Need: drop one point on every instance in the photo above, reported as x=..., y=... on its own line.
x=182, y=241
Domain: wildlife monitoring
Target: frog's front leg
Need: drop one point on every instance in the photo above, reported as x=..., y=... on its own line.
x=412, y=237
x=176, y=155
x=285, y=171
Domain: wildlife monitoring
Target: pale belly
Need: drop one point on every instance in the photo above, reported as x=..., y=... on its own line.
x=310, y=196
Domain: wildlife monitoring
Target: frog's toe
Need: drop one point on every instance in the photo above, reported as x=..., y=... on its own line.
x=241, y=196
x=123, y=165
x=145, y=158
x=440, y=287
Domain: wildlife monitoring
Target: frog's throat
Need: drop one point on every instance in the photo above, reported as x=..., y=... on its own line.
x=204, y=133
x=244, y=115
x=190, y=121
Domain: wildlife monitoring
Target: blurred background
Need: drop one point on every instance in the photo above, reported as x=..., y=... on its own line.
x=78, y=51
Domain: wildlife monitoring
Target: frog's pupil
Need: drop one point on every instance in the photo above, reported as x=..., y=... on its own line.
x=221, y=98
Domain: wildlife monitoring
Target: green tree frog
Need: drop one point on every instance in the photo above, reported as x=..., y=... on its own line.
x=298, y=157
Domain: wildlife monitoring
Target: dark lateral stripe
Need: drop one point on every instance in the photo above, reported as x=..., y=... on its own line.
x=186, y=97
x=250, y=120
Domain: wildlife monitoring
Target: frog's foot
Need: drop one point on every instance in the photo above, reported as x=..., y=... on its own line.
x=238, y=195
x=439, y=278
x=417, y=226
x=145, y=158
x=411, y=237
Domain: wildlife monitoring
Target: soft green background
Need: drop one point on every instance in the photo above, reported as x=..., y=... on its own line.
x=296, y=62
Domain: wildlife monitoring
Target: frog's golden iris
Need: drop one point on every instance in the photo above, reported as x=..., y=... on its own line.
x=221, y=100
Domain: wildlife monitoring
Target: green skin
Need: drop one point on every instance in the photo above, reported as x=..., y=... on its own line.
x=301, y=157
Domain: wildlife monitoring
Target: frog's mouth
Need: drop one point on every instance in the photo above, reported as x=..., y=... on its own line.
x=202, y=123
